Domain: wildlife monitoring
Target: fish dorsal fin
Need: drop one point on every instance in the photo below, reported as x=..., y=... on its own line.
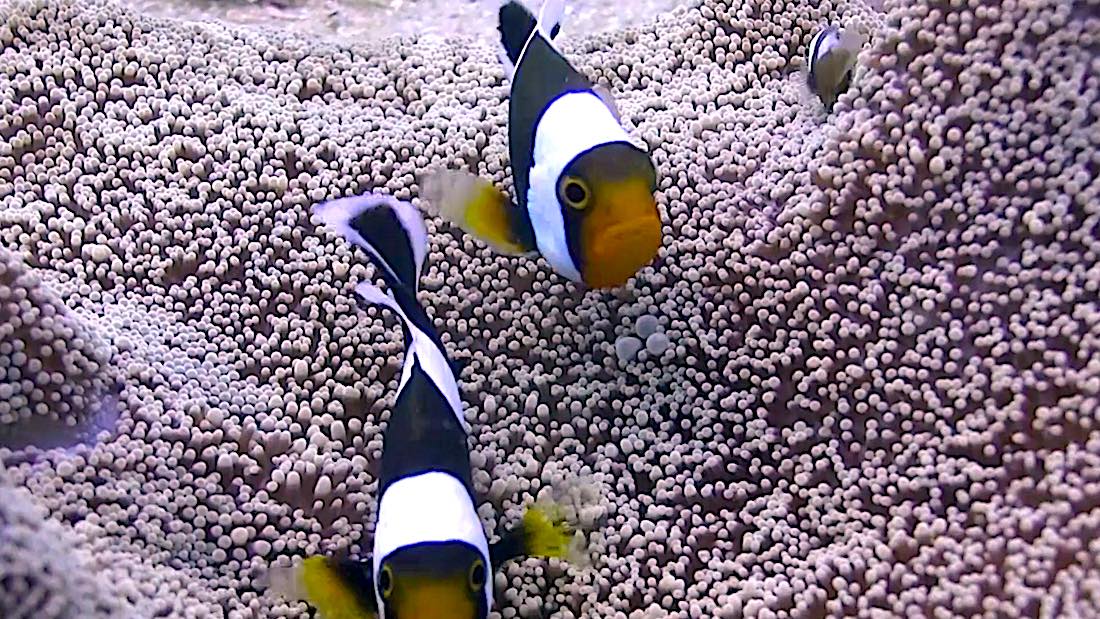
x=549, y=18
x=852, y=40
x=604, y=94
x=516, y=18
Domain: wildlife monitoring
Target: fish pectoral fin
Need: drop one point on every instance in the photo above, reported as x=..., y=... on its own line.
x=852, y=40
x=480, y=209
x=546, y=531
x=338, y=589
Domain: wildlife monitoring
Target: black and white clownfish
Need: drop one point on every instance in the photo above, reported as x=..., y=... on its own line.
x=831, y=61
x=584, y=192
x=431, y=556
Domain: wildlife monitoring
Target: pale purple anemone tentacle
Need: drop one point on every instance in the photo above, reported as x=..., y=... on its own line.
x=877, y=379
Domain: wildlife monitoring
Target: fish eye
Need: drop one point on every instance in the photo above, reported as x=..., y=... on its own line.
x=477, y=575
x=385, y=581
x=575, y=193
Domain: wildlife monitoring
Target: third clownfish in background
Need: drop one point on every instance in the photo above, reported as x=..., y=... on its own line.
x=584, y=192
x=831, y=61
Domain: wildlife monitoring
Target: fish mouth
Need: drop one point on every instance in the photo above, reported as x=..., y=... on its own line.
x=435, y=598
x=619, y=251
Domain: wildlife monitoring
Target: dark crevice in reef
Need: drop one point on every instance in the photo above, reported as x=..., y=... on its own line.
x=38, y=433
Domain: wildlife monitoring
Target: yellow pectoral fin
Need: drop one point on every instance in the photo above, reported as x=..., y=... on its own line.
x=478, y=207
x=330, y=594
x=489, y=217
x=548, y=533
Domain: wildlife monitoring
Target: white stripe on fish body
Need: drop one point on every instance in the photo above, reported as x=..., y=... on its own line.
x=429, y=507
x=435, y=365
x=421, y=349
x=820, y=45
x=574, y=123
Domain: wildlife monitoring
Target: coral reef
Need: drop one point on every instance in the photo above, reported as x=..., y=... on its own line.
x=879, y=388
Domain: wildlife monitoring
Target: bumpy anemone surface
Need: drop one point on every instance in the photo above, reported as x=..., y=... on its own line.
x=879, y=388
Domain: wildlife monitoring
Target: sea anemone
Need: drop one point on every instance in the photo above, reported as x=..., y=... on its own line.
x=877, y=388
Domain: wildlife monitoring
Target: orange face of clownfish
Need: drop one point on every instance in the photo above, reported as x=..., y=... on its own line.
x=612, y=226
x=433, y=581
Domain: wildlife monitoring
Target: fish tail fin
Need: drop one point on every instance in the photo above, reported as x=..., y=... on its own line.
x=480, y=209
x=391, y=232
x=338, y=589
x=414, y=321
x=422, y=343
x=373, y=295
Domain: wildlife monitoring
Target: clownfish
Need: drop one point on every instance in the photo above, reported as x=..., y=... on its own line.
x=585, y=194
x=831, y=60
x=430, y=555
